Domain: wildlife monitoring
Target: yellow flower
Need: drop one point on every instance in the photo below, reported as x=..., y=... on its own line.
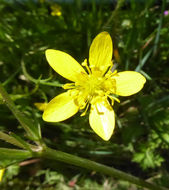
x=1, y=174
x=56, y=10
x=96, y=85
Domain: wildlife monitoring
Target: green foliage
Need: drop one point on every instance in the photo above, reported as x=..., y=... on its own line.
x=12, y=156
x=11, y=172
x=148, y=156
x=140, y=142
x=53, y=180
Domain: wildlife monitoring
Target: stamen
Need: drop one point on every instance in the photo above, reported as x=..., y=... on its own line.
x=99, y=112
x=109, y=74
x=84, y=63
x=68, y=86
x=86, y=109
x=107, y=68
x=112, y=97
x=73, y=93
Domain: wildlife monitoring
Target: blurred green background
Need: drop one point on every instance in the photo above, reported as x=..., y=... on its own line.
x=140, y=144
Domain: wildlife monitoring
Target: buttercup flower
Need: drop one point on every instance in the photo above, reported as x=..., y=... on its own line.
x=56, y=10
x=95, y=85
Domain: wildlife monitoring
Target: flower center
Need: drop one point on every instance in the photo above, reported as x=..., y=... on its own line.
x=93, y=85
x=91, y=88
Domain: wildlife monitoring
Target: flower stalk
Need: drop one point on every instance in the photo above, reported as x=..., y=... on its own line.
x=52, y=154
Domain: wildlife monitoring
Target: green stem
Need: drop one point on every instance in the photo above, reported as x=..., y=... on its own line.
x=10, y=78
x=114, y=13
x=49, y=153
x=26, y=123
x=36, y=81
x=159, y=27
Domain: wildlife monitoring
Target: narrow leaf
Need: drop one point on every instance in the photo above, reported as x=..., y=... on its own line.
x=10, y=140
x=11, y=156
x=144, y=60
x=21, y=141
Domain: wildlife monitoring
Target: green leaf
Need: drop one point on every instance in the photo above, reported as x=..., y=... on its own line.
x=143, y=61
x=10, y=140
x=25, y=145
x=11, y=156
x=148, y=159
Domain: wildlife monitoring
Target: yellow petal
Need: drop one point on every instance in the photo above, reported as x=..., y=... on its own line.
x=101, y=50
x=128, y=82
x=60, y=108
x=64, y=64
x=102, y=120
x=1, y=174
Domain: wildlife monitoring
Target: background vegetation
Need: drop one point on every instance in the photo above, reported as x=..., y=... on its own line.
x=140, y=144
